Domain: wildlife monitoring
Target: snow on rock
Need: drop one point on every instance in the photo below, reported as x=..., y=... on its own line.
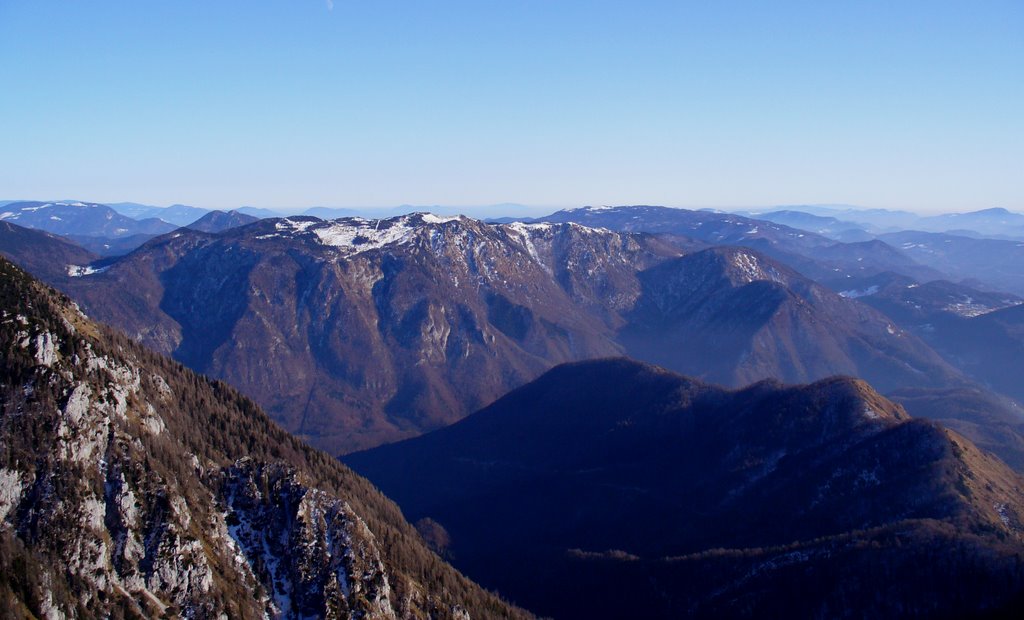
x=290, y=225
x=281, y=527
x=1001, y=511
x=356, y=235
x=77, y=271
x=430, y=218
x=853, y=294
x=752, y=270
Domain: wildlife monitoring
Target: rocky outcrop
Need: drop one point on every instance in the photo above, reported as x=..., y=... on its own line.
x=130, y=486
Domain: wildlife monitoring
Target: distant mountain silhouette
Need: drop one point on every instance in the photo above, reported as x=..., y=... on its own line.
x=219, y=221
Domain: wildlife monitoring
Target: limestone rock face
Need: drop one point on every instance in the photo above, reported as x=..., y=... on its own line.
x=130, y=486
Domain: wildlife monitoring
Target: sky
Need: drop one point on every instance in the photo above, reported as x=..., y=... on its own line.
x=288, y=104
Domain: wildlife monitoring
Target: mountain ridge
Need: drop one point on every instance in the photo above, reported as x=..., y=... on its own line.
x=616, y=463
x=454, y=312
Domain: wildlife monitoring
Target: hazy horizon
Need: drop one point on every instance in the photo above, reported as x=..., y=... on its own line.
x=511, y=209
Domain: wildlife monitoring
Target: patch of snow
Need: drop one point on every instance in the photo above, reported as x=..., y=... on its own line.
x=1001, y=510
x=751, y=268
x=76, y=271
x=867, y=479
x=526, y=234
x=8, y=214
x=289, y=225
x=357, y=235
x=967, y=309
x=523, y=228
x=430, y=218
x=853, y=294
x=747, y=264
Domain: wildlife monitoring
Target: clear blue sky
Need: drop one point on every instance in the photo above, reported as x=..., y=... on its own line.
x=289, y=103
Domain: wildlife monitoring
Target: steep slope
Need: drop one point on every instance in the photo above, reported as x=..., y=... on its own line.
x=763, y=320
x=356, y=332
x=219, y=221
x=992, y=422
x=132, y=487
x=669, y=473
x=980, y=332
x=951, y=319
x=46, y=255
x=989, y=347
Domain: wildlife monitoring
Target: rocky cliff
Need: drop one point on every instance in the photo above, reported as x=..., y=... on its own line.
x=132, y=487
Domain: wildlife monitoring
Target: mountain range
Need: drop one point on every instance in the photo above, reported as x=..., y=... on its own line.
x=997, y=222
x=813, y=255
x=600, y=488
x=219, y=221
x=356, y=332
